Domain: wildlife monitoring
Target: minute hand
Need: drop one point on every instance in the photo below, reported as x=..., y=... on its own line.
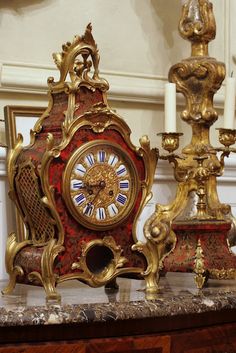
x=101, y=185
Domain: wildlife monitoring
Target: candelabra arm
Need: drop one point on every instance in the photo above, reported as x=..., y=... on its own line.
x=183, y=175
x=171, y=158
x=179, y=174
x=225, y=154
x=170, y=143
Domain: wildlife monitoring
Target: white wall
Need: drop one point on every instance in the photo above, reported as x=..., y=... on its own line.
x=138, y=42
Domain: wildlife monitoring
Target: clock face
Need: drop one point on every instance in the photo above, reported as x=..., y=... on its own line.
x=100, y=184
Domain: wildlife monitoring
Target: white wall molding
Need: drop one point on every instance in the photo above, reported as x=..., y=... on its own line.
x=164, y=171
x=229, y=175
x=128, y=87
x=3, y=154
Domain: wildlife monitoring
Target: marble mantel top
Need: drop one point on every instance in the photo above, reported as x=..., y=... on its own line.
x=81, y=304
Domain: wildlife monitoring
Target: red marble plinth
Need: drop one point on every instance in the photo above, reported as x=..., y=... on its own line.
x=216, y=256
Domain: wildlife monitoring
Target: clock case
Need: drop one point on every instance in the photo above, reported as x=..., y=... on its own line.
x=56, y=246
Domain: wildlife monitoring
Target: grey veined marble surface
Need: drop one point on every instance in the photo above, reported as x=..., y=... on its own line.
x=178, y=296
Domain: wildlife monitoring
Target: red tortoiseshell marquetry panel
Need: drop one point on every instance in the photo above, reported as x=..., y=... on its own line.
x=75, y=233
x=214, y=245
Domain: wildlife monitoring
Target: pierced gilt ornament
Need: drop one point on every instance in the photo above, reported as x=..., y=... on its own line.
x=80, y=186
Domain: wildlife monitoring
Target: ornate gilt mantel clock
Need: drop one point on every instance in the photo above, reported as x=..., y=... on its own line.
x=80, y=185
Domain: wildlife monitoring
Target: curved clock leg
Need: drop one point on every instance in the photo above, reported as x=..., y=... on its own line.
x=51, y=293
x=12, y=249
x=48, y=278
x=12, y=280
x=49, y=285
x=151, y=281
x=150, y=275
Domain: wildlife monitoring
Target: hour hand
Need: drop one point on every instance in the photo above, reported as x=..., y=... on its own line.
x=101, y=185
x=89, y=187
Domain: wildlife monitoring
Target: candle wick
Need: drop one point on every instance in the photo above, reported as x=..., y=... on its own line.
x=232, y=74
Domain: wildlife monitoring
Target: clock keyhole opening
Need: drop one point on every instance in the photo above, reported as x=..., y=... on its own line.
x=98, y=258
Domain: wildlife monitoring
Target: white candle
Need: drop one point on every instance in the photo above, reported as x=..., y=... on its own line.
x=229, y=107
x=170, y=107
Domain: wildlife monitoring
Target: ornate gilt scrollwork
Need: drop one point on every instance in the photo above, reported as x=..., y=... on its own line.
x=158, y=227
x=79, y=61
x=47, y=277
x=103, y=264
x=74, y=60
x=223, y=273
x=100, y=270
x=12, y=249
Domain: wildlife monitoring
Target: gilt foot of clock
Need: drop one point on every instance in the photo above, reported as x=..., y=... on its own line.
x=202, y=247
x=152, y=288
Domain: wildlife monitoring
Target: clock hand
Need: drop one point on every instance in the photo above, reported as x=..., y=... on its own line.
x=88, y=187
x=93, y=185
x=102, y=185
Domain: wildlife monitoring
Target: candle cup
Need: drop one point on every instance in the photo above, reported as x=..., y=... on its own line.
x=227, y=137
x=170, y=140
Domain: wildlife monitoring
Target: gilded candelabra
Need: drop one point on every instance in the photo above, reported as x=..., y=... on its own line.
x=198, y=243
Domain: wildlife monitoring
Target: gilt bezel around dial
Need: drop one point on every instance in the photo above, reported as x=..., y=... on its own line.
x=100, y=184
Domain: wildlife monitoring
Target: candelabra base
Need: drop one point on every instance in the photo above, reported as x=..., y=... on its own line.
x=202, y=247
